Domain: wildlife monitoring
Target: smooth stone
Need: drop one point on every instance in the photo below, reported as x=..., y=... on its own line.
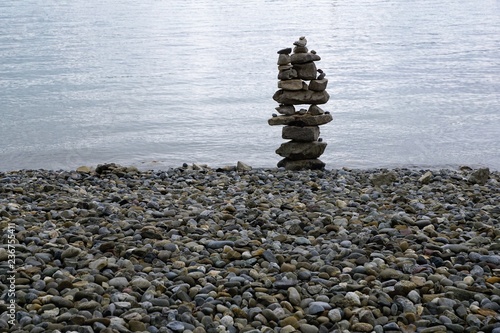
x=61, y=302
x=434, y=329
x=318, y=307
x=335, y=315
x=136, y=326
x=175, y=326
x=119, y=282
x=390, y=273
x=70, y=252
x=352, y=299
x=219, y=244
x=307, y=328
x=141, y=283
x=414, y=296
x=362, y=327
x=294, y=296
x=289, y=321
x=227, y=321
x=284, y=284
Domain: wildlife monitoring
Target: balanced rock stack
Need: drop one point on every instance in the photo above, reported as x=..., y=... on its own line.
x=300, y=82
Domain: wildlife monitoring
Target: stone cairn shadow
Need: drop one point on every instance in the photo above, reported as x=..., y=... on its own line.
x=300, y=82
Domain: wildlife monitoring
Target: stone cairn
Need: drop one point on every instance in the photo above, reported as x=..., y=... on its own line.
x=300, y=82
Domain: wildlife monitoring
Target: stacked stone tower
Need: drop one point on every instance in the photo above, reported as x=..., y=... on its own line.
x=300, y=82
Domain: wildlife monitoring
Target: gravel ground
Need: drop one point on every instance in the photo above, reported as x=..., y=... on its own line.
x=195, y=249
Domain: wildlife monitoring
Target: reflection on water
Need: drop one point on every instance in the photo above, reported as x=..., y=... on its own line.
x=153, y=83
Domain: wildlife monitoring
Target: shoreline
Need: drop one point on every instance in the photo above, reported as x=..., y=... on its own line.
x=196, y=249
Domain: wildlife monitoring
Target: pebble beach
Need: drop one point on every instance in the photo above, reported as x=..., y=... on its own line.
x=196, y=249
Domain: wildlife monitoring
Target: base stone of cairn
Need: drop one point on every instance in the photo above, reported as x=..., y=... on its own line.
x=300, y=82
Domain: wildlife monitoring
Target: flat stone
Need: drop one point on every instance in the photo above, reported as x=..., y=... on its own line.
x=286, y=109
x=312, y=164
x=301, y=97
x=291, y=84
x=301, y=120
x=301, y=150
x=302, y=58
x=318, y=85
x=301, y=134
x=307, y=71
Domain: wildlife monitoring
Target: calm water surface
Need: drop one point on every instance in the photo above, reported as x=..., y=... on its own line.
x=158, y=83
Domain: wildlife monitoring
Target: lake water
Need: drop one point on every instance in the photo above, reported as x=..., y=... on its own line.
x=157, y=83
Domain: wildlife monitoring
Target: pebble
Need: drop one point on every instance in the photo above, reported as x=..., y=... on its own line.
x=196, y=249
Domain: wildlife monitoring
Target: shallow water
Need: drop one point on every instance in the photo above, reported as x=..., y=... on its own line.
x=156, y=84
